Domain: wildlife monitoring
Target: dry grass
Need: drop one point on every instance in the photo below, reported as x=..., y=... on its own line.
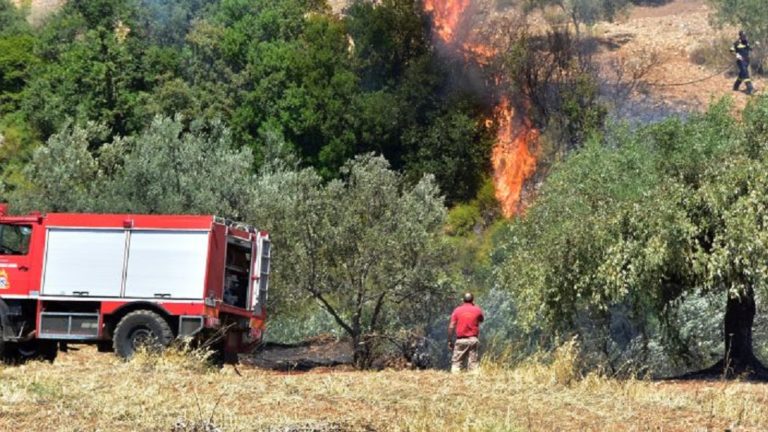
x=89, y=391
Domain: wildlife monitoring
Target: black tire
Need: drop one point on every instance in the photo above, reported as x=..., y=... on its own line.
x=141, y=328
x=2, y=343
x=47, y=350
x=35, y=349
x=9, y=354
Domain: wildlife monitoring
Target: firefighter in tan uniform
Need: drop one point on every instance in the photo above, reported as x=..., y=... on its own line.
x=465, y=325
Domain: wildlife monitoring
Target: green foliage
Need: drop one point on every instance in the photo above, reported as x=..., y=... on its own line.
x=102, y=75
x=17, y=143
x=560, y=78
x=366, y=248
x=387, y=37
x=463, y=219
x=62, y=173
x=454, y=148
x=12, y=20
x=582, y=113
x=477, y=214
x=164, y=169
x=327, y=87
x=168, y=169
x=17, y=59
x=640, y=220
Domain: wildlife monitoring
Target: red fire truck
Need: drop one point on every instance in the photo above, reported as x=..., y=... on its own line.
x=126, y=280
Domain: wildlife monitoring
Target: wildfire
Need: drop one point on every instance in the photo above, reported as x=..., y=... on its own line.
x=446, y=15
x=482, y=54
x=513, y=158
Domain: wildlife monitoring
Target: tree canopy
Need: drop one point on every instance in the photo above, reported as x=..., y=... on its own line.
x=366, y=248
x=640, y=218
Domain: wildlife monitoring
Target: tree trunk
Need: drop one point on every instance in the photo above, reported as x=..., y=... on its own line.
x=739, y=317
x=362, y=352
x=739, y=360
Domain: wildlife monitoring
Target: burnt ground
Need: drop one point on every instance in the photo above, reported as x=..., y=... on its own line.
x=318, y=353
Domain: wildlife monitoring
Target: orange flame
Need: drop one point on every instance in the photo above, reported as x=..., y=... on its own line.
x=513, y=158
x=482, y=54
x=446, y=15
x=514, y=155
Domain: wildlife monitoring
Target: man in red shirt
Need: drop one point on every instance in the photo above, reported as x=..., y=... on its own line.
x=465, y=324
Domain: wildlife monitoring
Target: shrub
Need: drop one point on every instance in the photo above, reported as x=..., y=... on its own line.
x=713, y=54
x=462, y=219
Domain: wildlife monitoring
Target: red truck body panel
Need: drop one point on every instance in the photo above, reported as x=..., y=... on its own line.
x=82, y=264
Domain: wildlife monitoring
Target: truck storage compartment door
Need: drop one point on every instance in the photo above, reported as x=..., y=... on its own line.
x=167, y=264
x=84, y=262
x=237, y=273
x=261, y=269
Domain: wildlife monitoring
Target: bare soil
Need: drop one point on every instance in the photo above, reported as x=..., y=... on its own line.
x=673, y=31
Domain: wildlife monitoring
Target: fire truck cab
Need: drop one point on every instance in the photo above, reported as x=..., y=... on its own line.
x=126, y=280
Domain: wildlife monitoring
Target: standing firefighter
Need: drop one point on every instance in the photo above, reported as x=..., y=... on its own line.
x=741, y=48
x=465, y=324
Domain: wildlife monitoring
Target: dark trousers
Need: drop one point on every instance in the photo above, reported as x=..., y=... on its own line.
x=743, y=76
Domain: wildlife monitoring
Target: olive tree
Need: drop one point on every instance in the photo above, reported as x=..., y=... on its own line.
x=367, y=248
x=643, y=218
x=167, y=168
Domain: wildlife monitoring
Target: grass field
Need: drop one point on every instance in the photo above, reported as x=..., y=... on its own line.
x=88, y=391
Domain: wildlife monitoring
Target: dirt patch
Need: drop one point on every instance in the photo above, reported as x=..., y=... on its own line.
x=672, y=31
x=678, y=7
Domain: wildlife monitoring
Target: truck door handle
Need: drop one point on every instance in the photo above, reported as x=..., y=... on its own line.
x=80, y=293
x=23, y=268
x=163, y=295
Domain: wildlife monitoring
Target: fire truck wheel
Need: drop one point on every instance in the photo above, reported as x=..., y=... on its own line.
x=141, y=328
x=36, y=349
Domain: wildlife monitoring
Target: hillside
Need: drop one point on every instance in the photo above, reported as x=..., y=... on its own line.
x=673, y=31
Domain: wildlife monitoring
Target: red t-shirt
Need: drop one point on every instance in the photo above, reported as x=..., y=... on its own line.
x=466, y=319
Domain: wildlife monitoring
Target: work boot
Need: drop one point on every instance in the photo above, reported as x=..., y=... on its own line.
x=750, y=89
x=736, y=85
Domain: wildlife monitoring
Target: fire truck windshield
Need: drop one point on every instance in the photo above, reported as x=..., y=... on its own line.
x=14, y=239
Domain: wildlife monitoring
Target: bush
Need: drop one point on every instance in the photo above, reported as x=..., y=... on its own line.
x=462, y=219
x=713, y=54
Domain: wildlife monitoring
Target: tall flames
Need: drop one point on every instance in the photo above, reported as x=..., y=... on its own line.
x=514, y=154
x=513, y=158
x=446, y=16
